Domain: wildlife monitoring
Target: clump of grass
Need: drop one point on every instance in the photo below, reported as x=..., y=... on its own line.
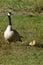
x=38, y=6
x=39, y=9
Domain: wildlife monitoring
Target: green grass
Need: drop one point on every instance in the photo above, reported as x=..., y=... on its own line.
x=21, y=55
x=30, y=27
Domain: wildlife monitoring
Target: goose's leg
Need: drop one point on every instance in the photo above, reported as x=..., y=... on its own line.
x=8, y=42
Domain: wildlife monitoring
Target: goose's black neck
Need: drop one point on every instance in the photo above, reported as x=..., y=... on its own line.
x=9, y=20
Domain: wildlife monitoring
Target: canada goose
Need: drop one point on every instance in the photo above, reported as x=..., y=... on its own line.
x=10, y=34
x=32, y=43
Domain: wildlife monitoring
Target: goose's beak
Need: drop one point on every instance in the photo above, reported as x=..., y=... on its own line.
x=11, y=13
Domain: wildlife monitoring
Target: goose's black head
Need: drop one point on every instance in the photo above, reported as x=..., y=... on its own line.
x=9, y=16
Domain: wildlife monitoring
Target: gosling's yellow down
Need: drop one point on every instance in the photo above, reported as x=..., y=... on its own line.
x=32, y=43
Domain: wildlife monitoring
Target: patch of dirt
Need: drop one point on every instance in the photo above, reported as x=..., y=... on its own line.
x=31, y=12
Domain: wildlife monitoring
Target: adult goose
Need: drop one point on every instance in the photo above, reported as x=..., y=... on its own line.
x=10, y=34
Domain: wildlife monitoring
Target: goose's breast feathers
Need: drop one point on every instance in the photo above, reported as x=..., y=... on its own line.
x=8, y=33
